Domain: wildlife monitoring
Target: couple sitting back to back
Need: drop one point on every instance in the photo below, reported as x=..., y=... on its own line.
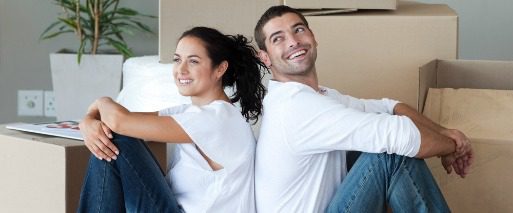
x=300, y=160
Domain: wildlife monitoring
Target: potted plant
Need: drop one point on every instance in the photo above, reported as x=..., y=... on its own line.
x=91, y=71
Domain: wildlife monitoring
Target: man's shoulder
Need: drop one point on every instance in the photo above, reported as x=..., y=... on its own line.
x=287, y=90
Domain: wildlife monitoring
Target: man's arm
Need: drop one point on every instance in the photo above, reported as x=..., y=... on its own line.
x=433, y=132
x=451, y=144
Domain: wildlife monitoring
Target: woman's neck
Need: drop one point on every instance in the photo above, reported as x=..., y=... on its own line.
x=200, y=101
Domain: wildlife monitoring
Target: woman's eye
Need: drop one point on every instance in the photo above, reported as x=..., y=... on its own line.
x=176, y=60
x=194, y=62
x=300, y=29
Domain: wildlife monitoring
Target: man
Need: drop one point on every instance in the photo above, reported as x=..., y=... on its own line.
x=306, y=129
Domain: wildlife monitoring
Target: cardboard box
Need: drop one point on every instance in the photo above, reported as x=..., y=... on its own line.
x=488, y=187
x=228, y=16
x=43, y=173
x=375, y=54
x=338, y=4
x=476, y=74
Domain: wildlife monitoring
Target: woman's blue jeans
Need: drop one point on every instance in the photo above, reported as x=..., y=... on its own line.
x=132, y=183
x=379, y=180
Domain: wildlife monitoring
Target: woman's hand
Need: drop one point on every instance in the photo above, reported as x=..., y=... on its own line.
x=97, y=138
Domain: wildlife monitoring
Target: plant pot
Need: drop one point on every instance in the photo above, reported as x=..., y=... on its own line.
x=76, y=86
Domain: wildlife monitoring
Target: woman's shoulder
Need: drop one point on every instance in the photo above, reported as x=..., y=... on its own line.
x=223, y=109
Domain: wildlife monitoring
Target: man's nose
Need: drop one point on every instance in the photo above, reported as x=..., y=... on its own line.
x=292, y=40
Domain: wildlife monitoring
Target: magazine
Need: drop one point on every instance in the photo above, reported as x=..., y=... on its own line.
x=65, y=129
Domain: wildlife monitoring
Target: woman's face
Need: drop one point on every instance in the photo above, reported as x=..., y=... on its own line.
x=192, y=69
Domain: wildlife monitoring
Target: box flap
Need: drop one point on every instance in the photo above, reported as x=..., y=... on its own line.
x=479, y=113
x=427, y=79
x=477, y=74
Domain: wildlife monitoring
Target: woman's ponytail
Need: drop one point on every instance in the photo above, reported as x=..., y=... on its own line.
x=247, y=75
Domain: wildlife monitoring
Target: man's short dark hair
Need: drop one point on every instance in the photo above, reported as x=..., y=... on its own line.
x=273, y=12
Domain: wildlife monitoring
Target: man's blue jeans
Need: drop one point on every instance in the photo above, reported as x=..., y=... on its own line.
x=376, y=180
x=132, y=183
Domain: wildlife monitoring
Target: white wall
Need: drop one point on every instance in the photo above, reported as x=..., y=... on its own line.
x=24, y=60
x=485, y=28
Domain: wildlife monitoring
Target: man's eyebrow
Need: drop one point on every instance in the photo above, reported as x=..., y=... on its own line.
x=275, y=33
x=298, y=24
x=293, y=26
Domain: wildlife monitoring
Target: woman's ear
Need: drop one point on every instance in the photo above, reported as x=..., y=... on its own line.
x=221, y=69
x=264, y=57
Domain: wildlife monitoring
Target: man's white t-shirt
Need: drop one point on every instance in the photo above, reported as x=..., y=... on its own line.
x=300, y=159
x=221, y=132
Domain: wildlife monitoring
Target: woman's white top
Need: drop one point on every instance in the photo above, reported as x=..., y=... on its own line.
x=221, y=132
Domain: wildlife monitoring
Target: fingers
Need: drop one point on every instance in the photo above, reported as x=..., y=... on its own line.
x=462, y=165
x=447, y=162
x=461, y=140
x=101, y=151
x=97, y=139
x=107, y=131
x=106, y=141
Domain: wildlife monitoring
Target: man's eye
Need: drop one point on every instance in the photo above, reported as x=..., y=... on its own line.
x=277, y=39
x=300, y=29
x=176, y=60
x=194, y=62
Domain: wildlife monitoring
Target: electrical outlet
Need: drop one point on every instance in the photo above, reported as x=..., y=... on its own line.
x=30, y=102
x=49, y=107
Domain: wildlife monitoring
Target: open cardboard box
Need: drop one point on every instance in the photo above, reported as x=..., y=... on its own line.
x=342, y=4
x=489, y=186
x=41, y=173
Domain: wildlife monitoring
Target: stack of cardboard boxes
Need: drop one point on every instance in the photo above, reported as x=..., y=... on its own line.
x=367, y=53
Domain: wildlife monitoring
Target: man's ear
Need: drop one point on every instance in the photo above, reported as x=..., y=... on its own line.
x=264, y=57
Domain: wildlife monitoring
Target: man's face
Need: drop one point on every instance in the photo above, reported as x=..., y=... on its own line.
x=291, y=46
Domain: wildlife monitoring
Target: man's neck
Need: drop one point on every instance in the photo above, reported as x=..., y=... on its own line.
x=310, y=79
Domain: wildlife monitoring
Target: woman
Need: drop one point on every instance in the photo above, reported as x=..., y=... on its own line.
x=212, y=169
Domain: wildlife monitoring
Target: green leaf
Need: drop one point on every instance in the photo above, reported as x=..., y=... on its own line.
x=127, y=11
x=56, y=34
x=48, y=29
x=70, y=22
x=122, y=48
x=80, y=51
x=144, y=27
x=108, y=3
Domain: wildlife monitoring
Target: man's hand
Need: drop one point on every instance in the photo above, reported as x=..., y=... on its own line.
x=463, y=145
x=461, y=164
x=97, y=139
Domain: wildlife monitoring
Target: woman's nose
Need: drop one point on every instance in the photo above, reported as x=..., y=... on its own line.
x=181, y=68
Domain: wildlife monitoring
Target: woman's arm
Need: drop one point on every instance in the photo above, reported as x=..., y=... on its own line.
x=105, y=115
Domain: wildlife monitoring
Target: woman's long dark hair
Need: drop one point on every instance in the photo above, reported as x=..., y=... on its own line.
x=244, y=67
